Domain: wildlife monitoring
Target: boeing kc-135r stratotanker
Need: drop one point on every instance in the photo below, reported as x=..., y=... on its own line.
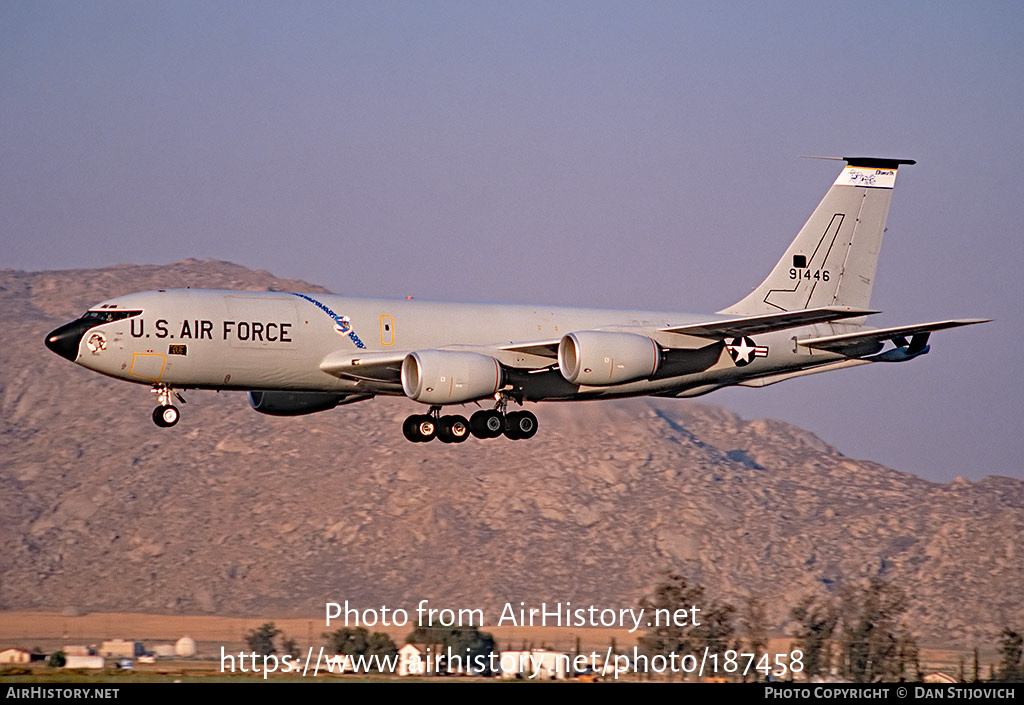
x=302, y=353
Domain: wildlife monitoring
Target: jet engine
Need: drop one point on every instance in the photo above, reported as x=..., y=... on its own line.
x=293, y=403
x=601, y=358
x=450, y=377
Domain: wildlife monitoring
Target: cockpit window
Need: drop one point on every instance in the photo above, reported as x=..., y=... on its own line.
x=107, y=316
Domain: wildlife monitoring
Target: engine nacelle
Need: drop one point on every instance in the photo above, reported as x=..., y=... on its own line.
x=450, y=377
x=293, y=403
x=601, y=358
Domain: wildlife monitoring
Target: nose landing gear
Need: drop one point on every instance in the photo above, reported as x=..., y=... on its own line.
x=166, y=414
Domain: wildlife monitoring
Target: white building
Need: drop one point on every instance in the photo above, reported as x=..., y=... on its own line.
x=185, y=647
x=164, y=650
x=119, y=648
x=93, y=662
x=15, y=656
x=421, y=660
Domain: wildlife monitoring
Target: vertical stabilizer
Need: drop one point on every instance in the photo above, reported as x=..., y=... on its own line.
x=832, y=260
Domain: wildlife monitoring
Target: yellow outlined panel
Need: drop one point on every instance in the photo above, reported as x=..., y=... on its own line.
x=387, y=330
x=147, y=365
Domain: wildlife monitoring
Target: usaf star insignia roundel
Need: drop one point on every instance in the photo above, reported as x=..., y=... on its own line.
x=743, y=351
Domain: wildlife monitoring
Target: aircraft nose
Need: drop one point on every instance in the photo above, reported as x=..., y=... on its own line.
x=65, y=340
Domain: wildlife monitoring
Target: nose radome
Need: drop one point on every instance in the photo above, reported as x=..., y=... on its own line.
x=65, y=340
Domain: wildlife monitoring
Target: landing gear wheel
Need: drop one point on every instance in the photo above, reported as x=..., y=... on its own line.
x=409, y=429
x=520, y=425
x=420, y=428
x=165, y=416
x=426, y=428
x=453, y=429
x=487, y=423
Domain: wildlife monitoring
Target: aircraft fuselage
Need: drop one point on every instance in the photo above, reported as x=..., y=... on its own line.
x=250, y=340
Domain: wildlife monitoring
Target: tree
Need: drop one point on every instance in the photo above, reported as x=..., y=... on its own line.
x=715, y=629
x=872, y=633
x=1012, y=649
x=472, y=644
x=349, y=641
x=467, y=643
x=667, y=636
x=755, y=627
x=816, y=621
x=289, y=646
x=261, y=640
x=57, y=660
x=909, y=658
x=380, y=644
x=669, y=609
x=357, y=641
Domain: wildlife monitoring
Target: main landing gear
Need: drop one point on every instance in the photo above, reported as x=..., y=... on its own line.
x=486, y=423
x=166, y=414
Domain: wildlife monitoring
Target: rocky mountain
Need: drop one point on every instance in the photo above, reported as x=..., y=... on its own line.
x=233, y=512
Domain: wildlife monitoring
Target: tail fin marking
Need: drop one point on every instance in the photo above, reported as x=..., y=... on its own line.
x=833, y=259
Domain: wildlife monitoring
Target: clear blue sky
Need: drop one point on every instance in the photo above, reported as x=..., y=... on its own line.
x=635, y=155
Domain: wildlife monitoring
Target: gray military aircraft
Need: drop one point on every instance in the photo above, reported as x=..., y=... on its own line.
x=302, y=353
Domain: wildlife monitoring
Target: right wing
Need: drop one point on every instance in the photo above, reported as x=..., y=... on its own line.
x=918, y=334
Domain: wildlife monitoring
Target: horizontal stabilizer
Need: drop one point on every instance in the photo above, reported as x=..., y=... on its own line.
x=768, y=322
x=877, y=162
x=839, y=343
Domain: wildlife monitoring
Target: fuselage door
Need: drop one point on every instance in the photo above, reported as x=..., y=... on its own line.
x=387, y=330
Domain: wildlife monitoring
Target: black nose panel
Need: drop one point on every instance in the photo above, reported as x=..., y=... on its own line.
x=65, y=340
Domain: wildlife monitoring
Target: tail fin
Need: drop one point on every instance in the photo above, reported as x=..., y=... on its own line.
x=832, y=260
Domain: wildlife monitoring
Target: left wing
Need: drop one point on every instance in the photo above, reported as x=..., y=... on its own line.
x=767, y=322
x=367, y=367
x=540, y=348
x=385, y=368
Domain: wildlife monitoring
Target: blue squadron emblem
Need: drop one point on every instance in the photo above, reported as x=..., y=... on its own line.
x=342, y=324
